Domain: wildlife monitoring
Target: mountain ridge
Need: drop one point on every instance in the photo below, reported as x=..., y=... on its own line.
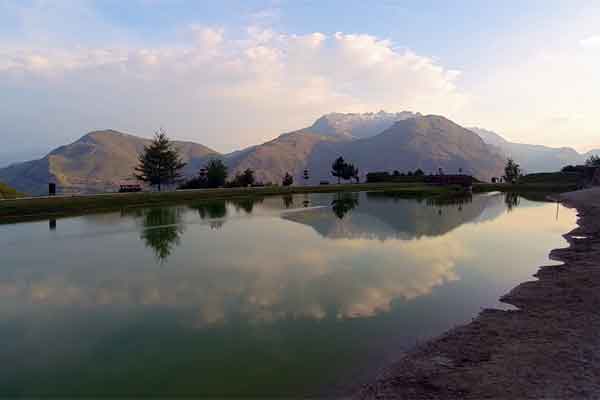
x=533, y=157
x=373, y=141
x=95, y=162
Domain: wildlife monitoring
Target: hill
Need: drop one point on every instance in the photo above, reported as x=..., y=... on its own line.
x=533, y=158
x=96, y=162
x=426, y=142
x=372, y=141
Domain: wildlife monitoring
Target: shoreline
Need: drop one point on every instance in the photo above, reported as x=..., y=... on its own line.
x=547, y=348
x=39, y=208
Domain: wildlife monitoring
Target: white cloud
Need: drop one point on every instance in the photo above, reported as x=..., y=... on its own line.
x=591, y=42
x=223, y=91
x=550, y=97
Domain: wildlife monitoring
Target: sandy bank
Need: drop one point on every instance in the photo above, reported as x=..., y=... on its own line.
x=548, y=348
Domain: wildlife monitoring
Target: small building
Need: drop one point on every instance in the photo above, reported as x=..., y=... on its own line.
x=465, y=181
x=129, y=187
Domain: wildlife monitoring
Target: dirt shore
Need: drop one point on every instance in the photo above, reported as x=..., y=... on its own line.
x=548, y=348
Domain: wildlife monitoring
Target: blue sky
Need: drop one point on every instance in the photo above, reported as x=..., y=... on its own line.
x=525, y=69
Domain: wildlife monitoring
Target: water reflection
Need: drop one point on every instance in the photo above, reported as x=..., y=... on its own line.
x=214, y=211
x=246, y=204
x=162, y=230
x=343, y=203
x=511, y=200
x=390, y=215
x=288, y=201
x=257, y=293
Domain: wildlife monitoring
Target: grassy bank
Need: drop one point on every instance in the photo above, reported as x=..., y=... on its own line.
x=7, y=192
x=61, y=206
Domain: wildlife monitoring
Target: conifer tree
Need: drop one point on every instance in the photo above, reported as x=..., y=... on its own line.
x=160, y=163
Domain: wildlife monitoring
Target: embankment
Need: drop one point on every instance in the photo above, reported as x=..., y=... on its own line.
x=548, y=348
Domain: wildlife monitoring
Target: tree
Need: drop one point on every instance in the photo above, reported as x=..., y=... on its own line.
x=419, y=172
x=248, y=177
x=593, y=161
x=338, y=168
x=244, y=179
x=512, y=171
x=216, y=173
x=160, y=162
x=288, y=180
x=350, y=172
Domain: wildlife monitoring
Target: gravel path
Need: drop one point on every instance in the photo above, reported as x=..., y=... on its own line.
x=548, y=348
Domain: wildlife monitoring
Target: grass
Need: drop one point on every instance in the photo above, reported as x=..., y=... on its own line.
x=61, y=206
x=7, y=192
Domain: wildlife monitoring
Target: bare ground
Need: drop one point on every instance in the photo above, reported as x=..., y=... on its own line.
x=548, y=348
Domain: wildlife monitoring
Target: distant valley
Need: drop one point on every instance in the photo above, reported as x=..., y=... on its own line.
x=401, y=141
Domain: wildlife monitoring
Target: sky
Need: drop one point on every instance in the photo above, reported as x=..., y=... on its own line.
x=229, y=74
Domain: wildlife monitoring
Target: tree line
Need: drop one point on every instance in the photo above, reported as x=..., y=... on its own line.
x=160, y=164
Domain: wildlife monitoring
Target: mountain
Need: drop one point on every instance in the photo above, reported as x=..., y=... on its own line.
x=357, y=126
x=533, y=158
x=372, y=141
x=94, y=163
x=289, y=153
x=426, y=142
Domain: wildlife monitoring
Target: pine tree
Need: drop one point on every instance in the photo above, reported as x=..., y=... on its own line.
x=338, y=168
x=512, y=171
x=216, y=173
x=160, y=162
x=288, y=180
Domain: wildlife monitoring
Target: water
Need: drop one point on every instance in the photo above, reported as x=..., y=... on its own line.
x=301, y=295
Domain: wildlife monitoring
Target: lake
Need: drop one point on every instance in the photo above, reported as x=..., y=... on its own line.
x=292, y=295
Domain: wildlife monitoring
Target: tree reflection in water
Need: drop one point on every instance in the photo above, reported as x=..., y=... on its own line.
x=216, y=211
x=162, y=229
x=246, y=204
x=288, y=200
x=512, y=200
x=343, y=203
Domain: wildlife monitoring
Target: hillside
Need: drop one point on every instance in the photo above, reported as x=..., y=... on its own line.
x=272, y=160
x=533, y=158
x=372, y=141
x=96, y=162
x=7, y=192
x=426, y=142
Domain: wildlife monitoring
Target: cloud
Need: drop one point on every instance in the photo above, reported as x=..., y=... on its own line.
x=224, y=91
x=591, y=42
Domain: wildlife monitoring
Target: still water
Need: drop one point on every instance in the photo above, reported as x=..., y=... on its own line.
x=293, y=295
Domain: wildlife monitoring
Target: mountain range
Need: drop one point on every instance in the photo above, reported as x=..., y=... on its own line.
x=532, y=157
x=401, y=141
